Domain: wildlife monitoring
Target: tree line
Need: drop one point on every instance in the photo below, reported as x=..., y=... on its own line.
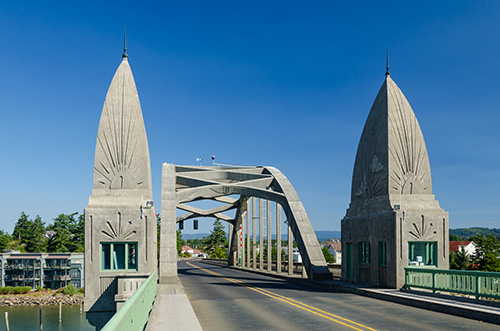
x=30, y=235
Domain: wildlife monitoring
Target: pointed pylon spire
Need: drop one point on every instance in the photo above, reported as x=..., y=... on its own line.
x=387, y=73
x=125, y=44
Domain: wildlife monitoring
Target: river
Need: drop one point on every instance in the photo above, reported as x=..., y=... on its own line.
x=28, y=318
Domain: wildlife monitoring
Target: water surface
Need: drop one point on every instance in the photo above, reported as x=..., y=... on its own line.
x=28, y=318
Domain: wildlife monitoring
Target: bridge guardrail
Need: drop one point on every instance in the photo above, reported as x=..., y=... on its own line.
x=478, y=283
x=134, y=314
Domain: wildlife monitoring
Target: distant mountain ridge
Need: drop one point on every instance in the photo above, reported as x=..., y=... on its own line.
x=187, y=236
x=465, y=233
x=321, y=235
x=462, y=233
x=325, y=235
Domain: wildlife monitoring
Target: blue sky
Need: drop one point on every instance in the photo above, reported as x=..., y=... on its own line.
x=281, y=83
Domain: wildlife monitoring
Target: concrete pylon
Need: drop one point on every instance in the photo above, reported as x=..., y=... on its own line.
x=120, y=222
x=168, y=232
x=393, y=220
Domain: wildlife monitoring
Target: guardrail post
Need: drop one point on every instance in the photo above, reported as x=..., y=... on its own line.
x=433, y=273
x=406, y=286
x=477, y=285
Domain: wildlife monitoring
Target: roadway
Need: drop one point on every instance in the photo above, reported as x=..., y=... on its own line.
x=229, y=299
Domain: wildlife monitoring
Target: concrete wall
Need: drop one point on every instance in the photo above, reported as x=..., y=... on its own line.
x=423, y=221
x=104, y=225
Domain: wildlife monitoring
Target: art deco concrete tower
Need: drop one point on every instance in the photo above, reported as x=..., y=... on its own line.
x=120, y=223
x=393, y=220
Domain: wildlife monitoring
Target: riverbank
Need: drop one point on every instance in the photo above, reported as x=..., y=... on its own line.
x=42, y=297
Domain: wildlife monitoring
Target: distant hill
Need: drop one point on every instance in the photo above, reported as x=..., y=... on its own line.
x=325, y=235
x=462, y=233
x=321, y=235
x=465, y=233
x=187, y=236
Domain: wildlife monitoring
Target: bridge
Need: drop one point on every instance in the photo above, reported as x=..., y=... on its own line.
x=255, y=187
x=124, y=277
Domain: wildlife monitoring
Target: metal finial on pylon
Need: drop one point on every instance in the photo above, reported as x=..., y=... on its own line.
x=125, y=43
x=387, y=73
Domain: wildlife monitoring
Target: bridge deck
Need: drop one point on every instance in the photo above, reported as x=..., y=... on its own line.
x=173, y=310
x=482, y=310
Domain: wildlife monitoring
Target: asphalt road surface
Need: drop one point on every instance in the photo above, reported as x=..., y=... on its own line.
x=228, y=299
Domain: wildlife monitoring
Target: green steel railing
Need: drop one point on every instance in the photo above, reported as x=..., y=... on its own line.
x=134, y=314
x=478, y=283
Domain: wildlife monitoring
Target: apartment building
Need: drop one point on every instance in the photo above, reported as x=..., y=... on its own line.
x=51, y=270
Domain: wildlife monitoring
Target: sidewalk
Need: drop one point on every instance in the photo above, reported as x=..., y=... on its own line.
x=172, y=310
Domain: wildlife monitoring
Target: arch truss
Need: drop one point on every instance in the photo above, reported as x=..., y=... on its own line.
x=255, y=189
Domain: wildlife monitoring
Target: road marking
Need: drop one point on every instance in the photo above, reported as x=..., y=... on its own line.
x=295, y=303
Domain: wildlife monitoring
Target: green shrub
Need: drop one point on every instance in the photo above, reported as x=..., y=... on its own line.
x=27, y=289
x=18, y=290
x=8, y=290
x=81, y=290
x=70, y=290
x=38, y=288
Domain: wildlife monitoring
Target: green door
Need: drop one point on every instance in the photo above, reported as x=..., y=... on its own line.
x=349, y=261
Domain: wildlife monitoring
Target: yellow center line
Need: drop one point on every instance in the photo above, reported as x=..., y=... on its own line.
x=290, y=301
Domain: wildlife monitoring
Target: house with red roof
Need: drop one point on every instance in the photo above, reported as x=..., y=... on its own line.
x=469, y=246
x=194, y=252
x=335, y=247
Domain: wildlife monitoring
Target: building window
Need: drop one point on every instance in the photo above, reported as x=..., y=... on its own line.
x=74, y=274
x=364, y=252
x=119, y=256
x=382, y=253
x=422, y=253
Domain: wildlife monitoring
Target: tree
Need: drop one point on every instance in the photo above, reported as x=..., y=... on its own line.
x=22, y=228
x=216, y=241
x=30, y=233
x=328, y=256
x=35, y=241
x=76, y=227
x=459, y=260
x=5, y=239
x=195, y=243
x=69, y=233
x=61, y=240
x=486, y=256
x=180, y=242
